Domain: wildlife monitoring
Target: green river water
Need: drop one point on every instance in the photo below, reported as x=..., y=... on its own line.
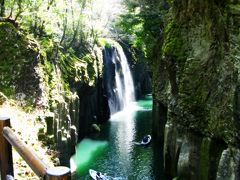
x=115, y=150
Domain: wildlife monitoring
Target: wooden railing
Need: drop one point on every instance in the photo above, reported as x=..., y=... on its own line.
x=8, y=140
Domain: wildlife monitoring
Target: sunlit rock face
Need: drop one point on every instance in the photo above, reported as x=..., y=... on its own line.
x=196, y=86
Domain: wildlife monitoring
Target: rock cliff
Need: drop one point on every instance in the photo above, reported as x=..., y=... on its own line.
x=65, y=89
x=196, y=89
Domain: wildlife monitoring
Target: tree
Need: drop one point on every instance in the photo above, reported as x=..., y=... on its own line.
x=143, y=23
x=2, y=11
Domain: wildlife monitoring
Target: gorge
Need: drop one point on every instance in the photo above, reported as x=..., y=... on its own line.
x=183, y=59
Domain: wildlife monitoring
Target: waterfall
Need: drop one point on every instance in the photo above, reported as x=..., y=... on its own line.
x=118, y=79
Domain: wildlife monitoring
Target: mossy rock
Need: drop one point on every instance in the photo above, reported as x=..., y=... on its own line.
x=199, y=58
x=3, y=98
x=173, y=44
x=18, y=60
x=107, y=43
x=95, y=128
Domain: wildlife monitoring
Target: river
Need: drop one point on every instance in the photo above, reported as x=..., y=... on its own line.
x=120, y=156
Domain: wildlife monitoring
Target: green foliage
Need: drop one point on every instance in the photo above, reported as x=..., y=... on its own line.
x=170, y=1
x=104, y=43
x=62, y=21
x=141, y=25
x=204, y=159
x=15, y=50
x=173, y=43
x=66, y=42
x=66, y=37
x=107, y=42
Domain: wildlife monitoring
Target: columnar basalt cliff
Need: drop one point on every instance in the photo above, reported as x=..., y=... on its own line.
x=66, y=90
x=196, y=89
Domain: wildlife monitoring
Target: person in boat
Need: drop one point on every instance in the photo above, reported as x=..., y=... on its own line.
x=98, y=176
x=145, y=139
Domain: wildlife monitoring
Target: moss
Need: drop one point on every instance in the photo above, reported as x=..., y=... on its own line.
x=10, y=49
x=106, y=42
x=173, y=42
x=170, y=1
x=19, y=56
x=75, y=69
x=204, y=159
x=64, y=73
x=102, y=42
x=91, y=69
x=198, y=38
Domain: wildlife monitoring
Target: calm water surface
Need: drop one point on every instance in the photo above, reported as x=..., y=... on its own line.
x=115, y=151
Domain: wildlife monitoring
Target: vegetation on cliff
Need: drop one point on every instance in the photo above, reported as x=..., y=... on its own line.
x=61, y=54
x=46, y=58
x=141, y=24
x=194, y=52
x=51, y=62
x=51, y=55
x=189, y=46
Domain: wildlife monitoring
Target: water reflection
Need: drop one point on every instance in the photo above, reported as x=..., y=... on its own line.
x=123, y=159
x=123, y=126
x=86, y=151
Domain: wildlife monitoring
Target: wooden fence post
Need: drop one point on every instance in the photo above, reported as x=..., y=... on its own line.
x=58, y=173
x=6, y=161
x=9, y=139
x=27, y=154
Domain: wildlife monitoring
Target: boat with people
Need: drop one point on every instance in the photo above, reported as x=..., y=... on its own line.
x=96, y=175
x=146, y=140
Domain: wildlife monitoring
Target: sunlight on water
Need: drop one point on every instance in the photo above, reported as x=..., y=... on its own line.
x=129, y=112
x=124, y=127
x=124, y=158
x=126, y=114
x=125, y=133
x=86, y=152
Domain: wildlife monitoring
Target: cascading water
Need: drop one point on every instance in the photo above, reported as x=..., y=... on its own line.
x=118, y=155
x=118, y=78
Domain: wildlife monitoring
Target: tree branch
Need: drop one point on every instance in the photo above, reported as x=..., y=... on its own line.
x=10, y=20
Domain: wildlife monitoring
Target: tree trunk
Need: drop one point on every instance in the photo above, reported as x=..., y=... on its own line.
x=10, y=20
x=2, y=11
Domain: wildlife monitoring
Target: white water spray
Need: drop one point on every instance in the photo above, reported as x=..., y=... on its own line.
x=122, y=86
